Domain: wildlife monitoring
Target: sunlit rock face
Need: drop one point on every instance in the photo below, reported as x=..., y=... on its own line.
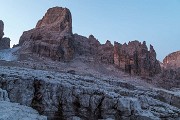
x=4, y=42
x=52, y=36
x=172, y=60
x=171, y=66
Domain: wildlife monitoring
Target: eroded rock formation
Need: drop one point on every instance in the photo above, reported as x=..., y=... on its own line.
x=1, y=29
x=52, y=36
x=135, y=58
x=67, y=96
x=171, y=66
x=15, y=111
x=172, y=60
x=4, y=42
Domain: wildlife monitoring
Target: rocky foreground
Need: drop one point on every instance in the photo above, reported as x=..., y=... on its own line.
x=15, y=111
x=71, y=96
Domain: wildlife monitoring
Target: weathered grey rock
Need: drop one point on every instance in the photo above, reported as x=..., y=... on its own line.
x=15, y=111
x=67, y=96
x=5, y=43
x=4, y=95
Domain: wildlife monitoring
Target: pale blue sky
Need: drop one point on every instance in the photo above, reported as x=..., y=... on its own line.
x=155, y=21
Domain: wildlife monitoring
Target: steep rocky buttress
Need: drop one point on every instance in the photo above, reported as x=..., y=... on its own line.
x=53, y=38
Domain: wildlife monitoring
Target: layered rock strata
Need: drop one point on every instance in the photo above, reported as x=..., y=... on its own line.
x=135, y=58
x=52, y=36
x=68, y=96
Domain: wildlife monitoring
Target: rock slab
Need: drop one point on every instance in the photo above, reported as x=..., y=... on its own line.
x=15, y=111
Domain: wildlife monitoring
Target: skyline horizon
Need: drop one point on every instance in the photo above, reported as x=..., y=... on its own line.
x=106, y=23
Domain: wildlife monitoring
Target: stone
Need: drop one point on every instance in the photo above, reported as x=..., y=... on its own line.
x=52, y=36
x=15, y=111
x=86, y=46
x=172, y=60
x=4, y=95
x=134, y=58
x=1, y=29
x=57, y=19
x=4, y=42
x=105, y=52
x=68, y=96
x=171, y=69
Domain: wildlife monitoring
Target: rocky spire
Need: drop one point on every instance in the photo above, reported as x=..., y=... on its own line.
x=57, y=19
x=4, y=42
x=1, y=29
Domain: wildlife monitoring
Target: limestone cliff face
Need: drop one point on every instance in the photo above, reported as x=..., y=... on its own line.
x=57, y=19
x=52, y=36
x=172, y=60
x=135, y=58
x=4, y=42
x=171, y=66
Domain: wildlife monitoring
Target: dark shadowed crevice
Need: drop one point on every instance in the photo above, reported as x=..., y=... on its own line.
x=98, y=110
x=37, y=99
